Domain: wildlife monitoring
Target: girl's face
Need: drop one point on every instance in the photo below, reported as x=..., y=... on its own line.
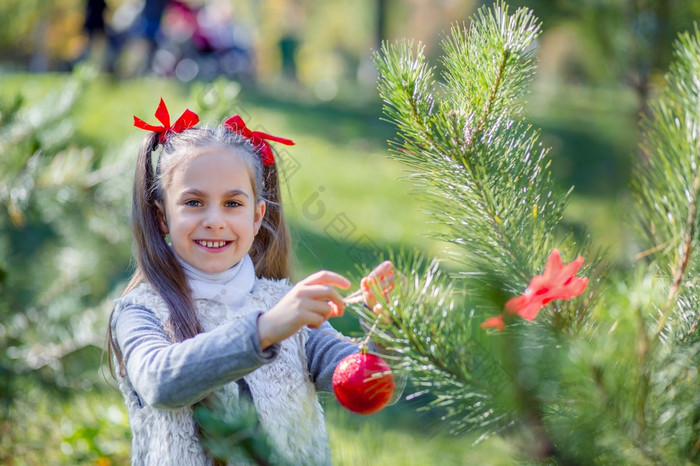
x=210, y=211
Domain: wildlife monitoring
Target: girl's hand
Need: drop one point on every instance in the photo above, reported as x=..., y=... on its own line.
x=311, y=302
x=380, y=281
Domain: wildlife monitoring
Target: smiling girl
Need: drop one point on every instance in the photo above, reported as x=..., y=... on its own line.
x=209, y=313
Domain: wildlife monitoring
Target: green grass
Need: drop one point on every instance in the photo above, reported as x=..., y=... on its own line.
x=356, y=441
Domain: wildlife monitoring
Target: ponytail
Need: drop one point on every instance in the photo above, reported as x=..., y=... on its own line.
x=154, y=257
x=271, y=249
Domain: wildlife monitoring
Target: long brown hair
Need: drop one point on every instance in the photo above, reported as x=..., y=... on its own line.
x=155, y=260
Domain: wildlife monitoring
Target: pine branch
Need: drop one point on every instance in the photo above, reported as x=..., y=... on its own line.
x=483, y=170
x=477, y=175
x=684, y=259
x=431, y=339
x=667, y=186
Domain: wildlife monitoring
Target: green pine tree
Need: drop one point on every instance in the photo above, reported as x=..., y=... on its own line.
x=610, y=377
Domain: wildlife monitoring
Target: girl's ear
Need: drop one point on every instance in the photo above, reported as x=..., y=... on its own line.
x=162, y=220
x=259, y=214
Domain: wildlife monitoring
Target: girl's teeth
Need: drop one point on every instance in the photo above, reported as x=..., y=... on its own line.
x=212, y=244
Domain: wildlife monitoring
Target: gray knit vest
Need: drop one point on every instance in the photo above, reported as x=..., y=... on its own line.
x=283, y=394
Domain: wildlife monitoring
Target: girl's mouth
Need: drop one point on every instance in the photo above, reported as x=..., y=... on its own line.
x=212, y=244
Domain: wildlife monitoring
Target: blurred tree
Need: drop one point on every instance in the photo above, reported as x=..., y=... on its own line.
x=629, y=41
x=40, y=34
x=381, y=22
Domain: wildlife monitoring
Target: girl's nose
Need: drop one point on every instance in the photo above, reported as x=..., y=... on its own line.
x=213, y=220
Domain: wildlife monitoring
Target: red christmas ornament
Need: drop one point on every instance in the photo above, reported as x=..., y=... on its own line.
x=363, y=382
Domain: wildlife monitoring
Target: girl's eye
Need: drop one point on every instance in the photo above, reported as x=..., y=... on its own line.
x=193, y=203
x=233, y=204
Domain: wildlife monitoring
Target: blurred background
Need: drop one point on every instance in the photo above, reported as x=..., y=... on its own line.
x=72, y=74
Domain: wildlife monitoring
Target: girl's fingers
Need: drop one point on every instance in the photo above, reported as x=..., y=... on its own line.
x=337, y=305
x=315, y=321
x=321, y=292
x=326, y=277
x=320, y=311
x=314, y=313
x=320, y=287
x=387, y=281
x=380, y=280
x=385, y=268
x=336, y=310
x=328, y=299
x=367, y=295
x=382, y=275
x=324, y=301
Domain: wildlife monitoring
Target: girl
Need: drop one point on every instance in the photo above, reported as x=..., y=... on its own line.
x=209, y=313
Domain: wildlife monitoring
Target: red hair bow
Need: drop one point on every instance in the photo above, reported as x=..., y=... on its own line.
x=187, y=120
x=257, y=138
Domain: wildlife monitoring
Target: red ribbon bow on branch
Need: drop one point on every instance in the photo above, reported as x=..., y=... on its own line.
x=257, y=138
x=187, y=120
x=558, y=281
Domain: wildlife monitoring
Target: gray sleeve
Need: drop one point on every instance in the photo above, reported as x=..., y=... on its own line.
x=173, y=375
x=324, y=350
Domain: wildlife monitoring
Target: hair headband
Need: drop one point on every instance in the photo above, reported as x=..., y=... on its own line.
x=234, y=124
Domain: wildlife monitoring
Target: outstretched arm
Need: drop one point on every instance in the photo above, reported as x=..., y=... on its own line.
x=173, y=375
